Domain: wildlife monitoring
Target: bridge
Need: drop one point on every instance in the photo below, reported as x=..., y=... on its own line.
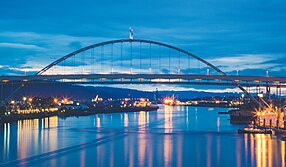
x=192, y=79
x=137, y=61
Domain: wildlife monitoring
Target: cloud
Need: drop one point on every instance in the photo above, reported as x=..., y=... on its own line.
x=244, y=61
x=20, y=46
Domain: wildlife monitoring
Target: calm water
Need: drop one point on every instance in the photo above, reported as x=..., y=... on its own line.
x=172, y=136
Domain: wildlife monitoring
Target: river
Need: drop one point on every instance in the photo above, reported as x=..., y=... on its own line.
x=171, y=136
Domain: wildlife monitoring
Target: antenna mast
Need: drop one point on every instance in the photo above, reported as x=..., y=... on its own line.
x=131, y=33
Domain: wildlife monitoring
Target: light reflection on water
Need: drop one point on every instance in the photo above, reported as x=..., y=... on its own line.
x=172, y=136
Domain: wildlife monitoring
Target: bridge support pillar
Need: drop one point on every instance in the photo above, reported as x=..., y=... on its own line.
x=268, y=92
x=257, y=89
x=278, y=91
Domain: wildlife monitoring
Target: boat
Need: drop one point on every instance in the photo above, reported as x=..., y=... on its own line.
x=251, y=129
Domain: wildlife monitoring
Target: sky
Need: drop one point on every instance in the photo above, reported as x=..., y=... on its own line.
x=249, y=36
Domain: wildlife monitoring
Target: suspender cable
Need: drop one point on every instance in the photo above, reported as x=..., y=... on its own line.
x=101, y=59
x=198, y=67
x=169, y=60
x=131, y=57
x=150, y=67
x=112, y=58
x=121, y=58
x=189, y=65
x=159, y=59
x=179, y=70
x=140, y=56
x=74, y=64
x=93, y=62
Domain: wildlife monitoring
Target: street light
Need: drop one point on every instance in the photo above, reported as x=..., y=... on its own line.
x=260, y=95
x=30, y=99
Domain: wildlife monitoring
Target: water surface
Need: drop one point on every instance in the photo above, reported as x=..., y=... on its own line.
x=172, y=136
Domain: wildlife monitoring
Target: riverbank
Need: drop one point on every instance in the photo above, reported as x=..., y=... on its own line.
x=67, y=113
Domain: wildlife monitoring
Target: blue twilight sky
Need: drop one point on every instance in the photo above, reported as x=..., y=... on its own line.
x=249, y=36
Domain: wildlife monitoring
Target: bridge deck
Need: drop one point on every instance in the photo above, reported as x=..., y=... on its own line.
x=148, y=79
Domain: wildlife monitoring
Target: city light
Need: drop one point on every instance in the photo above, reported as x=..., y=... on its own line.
x=30, y=99
x=260, y=95
x=169, y=101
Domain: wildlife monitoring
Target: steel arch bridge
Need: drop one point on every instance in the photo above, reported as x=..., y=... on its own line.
x=136, y=60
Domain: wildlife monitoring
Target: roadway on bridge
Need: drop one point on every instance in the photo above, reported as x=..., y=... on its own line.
x=147, y=79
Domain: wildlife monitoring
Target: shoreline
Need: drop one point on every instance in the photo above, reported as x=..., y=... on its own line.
x=70, y=113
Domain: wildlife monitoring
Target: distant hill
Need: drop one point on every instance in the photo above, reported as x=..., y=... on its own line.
x=83, y=92
x=195, y=94
x=88, y=92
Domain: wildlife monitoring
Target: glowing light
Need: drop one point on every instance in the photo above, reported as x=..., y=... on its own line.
x=260, y=95
x=258, y=113
x=30, y=99
x=65, y=100
x=169, y=101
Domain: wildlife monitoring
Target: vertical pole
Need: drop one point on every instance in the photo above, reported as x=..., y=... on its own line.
x=179, y=70
x=267, y=91
x=73, y=62
x=150, y=68
x=169, y=60
x=131, y=58
x=112, y=58
x=64, y=67
x=82, y=60
x=159, y=59
x=101, y=57
x=121, y=57
x=140, y=56
x=189, y=64
x=198, y=67
x=280, y=95
x=93, y=64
